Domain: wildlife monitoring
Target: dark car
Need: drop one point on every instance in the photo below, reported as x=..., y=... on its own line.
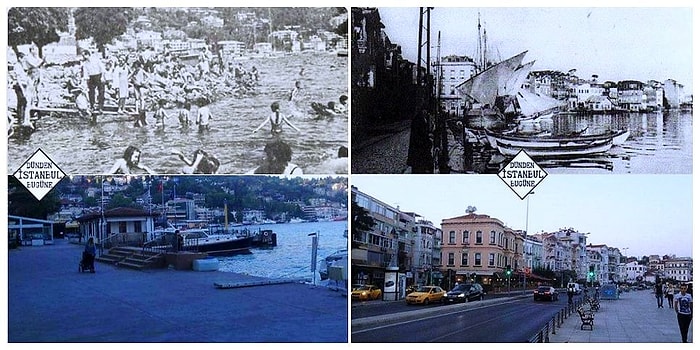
x=546, y=293
x=463, y=293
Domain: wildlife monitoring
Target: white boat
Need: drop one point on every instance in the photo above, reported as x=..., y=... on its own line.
x=338, y=260
x=296, y=220
x=553, y=146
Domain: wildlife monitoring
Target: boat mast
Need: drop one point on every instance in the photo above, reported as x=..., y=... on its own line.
x=479, y=51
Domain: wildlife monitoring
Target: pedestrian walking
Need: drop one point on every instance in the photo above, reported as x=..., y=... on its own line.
x=669, y=294
x=683, y=304
x=659, y=293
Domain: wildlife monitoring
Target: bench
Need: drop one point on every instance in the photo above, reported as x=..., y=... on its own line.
x=586, y=318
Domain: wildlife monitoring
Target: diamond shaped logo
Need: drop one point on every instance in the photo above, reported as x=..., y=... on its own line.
x=39, y=174
x=522, y=174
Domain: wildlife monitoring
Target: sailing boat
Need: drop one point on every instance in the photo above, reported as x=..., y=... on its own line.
x=495, y=90
x=483, y=89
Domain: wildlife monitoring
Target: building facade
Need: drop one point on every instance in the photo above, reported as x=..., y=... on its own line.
x=479, y=247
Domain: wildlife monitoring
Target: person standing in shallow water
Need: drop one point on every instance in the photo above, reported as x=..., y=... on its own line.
x=683, y=304
x=276, y=120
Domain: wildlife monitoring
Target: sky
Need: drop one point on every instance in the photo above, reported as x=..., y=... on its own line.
x=649, y=214
x=615, y=43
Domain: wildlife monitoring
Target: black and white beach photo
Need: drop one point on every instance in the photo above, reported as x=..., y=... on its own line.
x=179, y=90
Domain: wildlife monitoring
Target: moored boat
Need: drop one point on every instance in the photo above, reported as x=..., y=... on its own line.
x=199, y=240
x=553, y=146
x=338, y=259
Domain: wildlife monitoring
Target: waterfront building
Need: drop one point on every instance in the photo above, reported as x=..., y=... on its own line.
x=588, y=94
x=600, y=258
x=631, y=96
x=554, y=251
x=552, y=83
x=673, y=93
x=654, y=92
x=480, y=247
x=532, y=252
x=614, y=258
x=635, y=271
x=389, y=244
x=180, y=209
x=231, y=49
x=576, y=244
x=384, y=86
x=423, y=272
x=679, y=269
x=451, y=71
x=117, y=226
x=598, y=104
x=29, y=231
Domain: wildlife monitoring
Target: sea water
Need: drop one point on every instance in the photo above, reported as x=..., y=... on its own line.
x=291, y=258
x=81, y=148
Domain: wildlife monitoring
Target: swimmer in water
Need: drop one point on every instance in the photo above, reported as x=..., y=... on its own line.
x=276, y=120
x=130, y=163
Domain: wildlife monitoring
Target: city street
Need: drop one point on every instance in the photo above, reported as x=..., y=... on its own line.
x=383, y=154
x=514, y=319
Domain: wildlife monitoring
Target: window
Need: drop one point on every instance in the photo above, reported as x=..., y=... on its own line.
x=452, y=237
x=477, y=259
x=465, y=237
x=137, y=226
x=465, y=259
x=451, y=259
x=479, y=238
x=492, y=237
x=122, y=227
x=492, y=259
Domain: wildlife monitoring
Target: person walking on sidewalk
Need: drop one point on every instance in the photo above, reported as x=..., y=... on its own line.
x=669, y=295
x=683, y=304
x=659, y=292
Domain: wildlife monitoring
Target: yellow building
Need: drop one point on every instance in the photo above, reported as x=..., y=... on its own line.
x=480, y=247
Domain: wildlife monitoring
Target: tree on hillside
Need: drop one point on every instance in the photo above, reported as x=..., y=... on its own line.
x=361, y=220
x=39, y=25
x=102, y=24
x=22, y=203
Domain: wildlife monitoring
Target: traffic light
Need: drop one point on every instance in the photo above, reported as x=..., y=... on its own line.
x=508, y=270
x=591, y=271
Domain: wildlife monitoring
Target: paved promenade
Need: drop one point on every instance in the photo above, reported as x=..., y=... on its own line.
x=50, y=301
x=634, y=318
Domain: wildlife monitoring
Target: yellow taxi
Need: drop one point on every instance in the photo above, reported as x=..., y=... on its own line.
x=365, y=293
x=426, y=295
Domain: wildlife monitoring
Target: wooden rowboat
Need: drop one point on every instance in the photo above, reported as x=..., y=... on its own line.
x=553, y=146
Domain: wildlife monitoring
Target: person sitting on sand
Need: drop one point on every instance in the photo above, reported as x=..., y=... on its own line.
x=129, y=163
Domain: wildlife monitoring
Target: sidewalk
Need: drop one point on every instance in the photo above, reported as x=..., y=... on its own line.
x=50, y=301
x=634, y=318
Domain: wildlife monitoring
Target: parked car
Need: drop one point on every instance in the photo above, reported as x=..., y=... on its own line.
x=425, y=295
x=366, y=293
x=546, y=293
x=464, y=292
